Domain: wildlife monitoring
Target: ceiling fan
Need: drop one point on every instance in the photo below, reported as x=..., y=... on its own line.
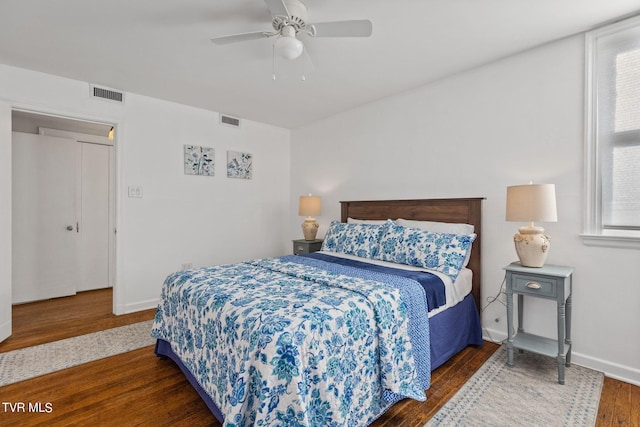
x=290, y=19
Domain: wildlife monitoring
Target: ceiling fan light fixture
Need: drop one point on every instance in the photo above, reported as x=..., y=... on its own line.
x=287, y=45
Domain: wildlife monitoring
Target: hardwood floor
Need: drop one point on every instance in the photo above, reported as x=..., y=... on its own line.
x=619, y=404
x=137, y=388
x=59, y=318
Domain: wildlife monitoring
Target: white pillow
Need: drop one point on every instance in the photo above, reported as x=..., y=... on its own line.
x=438, y=227
x=366, y=221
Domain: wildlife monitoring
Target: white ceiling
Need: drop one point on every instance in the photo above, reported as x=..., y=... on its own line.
x=161, y=48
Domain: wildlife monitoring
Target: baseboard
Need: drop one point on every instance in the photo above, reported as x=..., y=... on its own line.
x=138, y=306
x=613, y=370
x=610, y=369
x=494, y=335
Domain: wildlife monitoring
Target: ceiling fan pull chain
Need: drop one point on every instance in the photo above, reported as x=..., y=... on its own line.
x=273, y=62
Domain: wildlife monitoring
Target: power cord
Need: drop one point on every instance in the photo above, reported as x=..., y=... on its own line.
x=491, y=300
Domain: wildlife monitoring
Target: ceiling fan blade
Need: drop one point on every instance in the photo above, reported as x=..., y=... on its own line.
x=277, y=7
x=355, y=28
x=240, y=37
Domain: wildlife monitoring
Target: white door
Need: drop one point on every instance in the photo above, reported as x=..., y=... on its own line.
x=5, y=221
x=93, y=249
x=44, y=222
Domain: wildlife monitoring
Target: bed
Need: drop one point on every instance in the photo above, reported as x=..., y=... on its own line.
x=336, y=337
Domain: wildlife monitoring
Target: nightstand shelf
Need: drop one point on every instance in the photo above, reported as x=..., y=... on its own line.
x=549, y=282
x=537, y=344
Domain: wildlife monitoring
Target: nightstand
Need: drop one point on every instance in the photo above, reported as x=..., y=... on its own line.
x=549, y=282
x=306, y=246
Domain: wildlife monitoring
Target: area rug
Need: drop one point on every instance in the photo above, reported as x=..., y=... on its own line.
x=30, y=362
x=526, y=395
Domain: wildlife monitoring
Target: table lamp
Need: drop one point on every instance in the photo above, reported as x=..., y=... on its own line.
x=309, y=206
x=529, y=203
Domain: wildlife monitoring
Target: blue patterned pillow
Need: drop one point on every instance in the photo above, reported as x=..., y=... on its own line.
x=353, y=239
x=442, y=252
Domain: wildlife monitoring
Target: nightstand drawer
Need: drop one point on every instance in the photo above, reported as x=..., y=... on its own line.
x=306, y=246
x=535, y=285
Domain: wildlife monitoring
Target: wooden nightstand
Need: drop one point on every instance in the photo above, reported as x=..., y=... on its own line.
x=306, y=246
x=549, y=282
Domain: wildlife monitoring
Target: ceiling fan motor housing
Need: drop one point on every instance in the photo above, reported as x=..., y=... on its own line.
x=297, y=16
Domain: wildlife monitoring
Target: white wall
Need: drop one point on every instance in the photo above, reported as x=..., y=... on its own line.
x=181, y=218
x=472, y=135
x=203, y=220
x=5, y=221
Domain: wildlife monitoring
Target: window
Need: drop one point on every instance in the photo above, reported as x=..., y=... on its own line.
x=613, y=136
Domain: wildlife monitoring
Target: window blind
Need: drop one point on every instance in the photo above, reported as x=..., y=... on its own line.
x=618, y=121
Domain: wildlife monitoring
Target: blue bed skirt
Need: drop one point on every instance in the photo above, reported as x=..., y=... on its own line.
x=451, y=331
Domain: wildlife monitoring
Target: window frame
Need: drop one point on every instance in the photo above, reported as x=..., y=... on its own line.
x=594, y=231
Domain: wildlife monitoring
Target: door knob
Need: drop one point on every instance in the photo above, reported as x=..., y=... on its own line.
x=69, y=227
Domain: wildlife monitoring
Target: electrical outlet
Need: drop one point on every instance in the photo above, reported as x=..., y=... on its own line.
x=135, y=191
x=187, y=266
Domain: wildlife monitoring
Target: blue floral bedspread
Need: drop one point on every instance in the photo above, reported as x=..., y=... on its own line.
x=285, y=342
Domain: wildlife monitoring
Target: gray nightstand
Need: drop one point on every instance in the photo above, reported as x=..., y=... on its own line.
x=306, y=246
x=549, y=282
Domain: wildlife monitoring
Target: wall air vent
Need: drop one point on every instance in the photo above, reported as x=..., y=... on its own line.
x=107, y=93
x=229, y=121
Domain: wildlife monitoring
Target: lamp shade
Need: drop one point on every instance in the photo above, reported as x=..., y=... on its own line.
x=532, y=202
x=310, y=206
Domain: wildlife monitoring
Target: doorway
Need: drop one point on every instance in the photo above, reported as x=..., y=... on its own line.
x=63, y=206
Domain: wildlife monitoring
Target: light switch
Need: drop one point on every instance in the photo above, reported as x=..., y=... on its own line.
x=135, y=191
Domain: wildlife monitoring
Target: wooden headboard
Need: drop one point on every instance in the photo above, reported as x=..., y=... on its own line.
x=468, y=211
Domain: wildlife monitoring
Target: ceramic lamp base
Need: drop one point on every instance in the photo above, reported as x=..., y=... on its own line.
x=532, y=246
x=310, y=229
